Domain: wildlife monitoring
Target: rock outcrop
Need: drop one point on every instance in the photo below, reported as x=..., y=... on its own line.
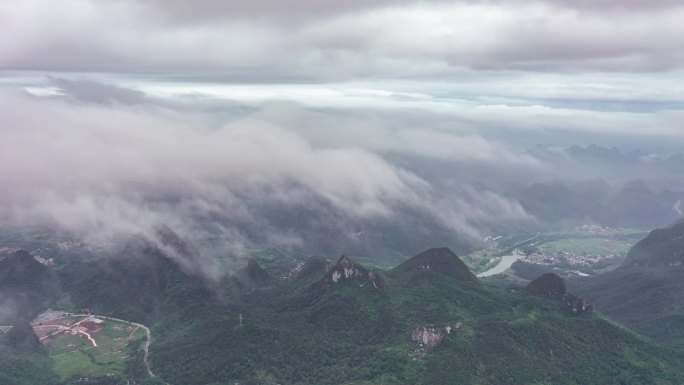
x=553, y=286
x=428, y=337
x=577, y=304
x=346, y=270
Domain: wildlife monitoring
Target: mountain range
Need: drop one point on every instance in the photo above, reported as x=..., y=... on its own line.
x=429, y=320
x=646, y=292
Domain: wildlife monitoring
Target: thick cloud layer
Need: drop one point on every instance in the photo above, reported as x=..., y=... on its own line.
x=340, y=40
x=102, y=171
x=66, y=151
x=267, y=121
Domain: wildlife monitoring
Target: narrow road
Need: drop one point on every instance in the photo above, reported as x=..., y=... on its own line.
x=526, y=240
x=148, y=340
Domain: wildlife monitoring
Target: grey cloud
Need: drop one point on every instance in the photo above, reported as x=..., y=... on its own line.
x=624, y=5
x=299, y=10
x=104, y=172
x=342, y=40
x=177, y=138
x=385, y=132
x=96, y=92
x=285, y=11
x=534, y=36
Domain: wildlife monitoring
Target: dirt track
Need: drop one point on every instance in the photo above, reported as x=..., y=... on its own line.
x=148, y=340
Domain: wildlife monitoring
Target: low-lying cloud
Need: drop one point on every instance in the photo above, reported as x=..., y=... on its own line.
x=321, y=125
x=103, y=171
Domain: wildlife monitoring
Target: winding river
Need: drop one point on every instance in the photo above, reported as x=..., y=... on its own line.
x=503, y=265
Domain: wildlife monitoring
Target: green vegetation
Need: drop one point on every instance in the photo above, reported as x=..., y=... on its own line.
x=294, y=334
x=661, y=247
x=649, y=300
x=23, y=360
x=588, y=240
x=75, y=356
x=24, y=368
x=646, y=293
x=309, y=330
x=483, y=260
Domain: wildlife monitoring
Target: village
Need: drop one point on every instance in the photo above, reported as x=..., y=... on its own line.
x=568, y=259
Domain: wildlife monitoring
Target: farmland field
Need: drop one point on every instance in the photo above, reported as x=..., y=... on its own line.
x=87, y=346
x=592, y=246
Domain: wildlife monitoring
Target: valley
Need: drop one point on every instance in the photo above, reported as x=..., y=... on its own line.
x=579, y=251
x=394, y=192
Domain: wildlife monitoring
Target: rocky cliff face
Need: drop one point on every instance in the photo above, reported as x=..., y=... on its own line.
x=429, y=337
x=577, y=304
x=551, y=285
x=346, y=270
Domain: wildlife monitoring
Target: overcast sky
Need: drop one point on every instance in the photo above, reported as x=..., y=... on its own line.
x=309, y=86
x=610, y=67
x=621, y=52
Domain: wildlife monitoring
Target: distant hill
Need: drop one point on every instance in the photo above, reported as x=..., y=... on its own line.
x=646, y=293
x=605, y=186
x=139, y=284
x=437, y=261
x=662, y=247
x=594, y=201
x=26, y=286
x=555, y=202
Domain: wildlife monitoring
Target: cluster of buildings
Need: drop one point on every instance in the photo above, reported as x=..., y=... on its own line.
x=566, y=259
x=597, y=230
